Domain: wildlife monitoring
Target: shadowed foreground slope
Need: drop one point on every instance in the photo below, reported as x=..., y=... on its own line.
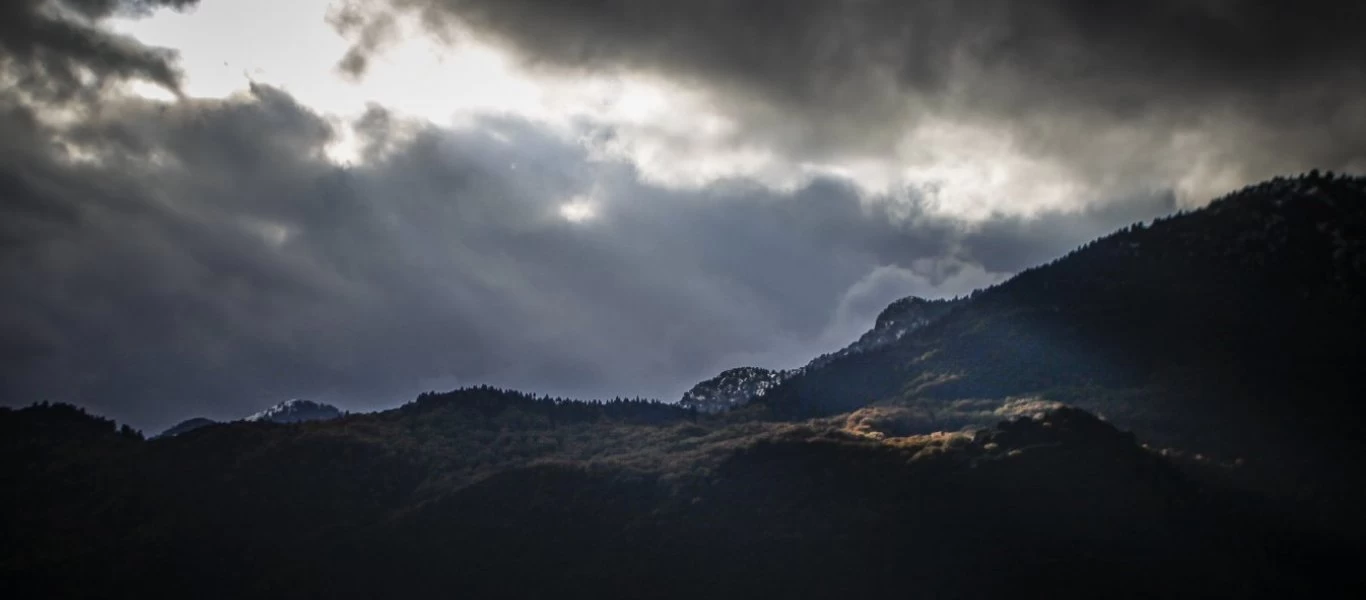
x=483, y=493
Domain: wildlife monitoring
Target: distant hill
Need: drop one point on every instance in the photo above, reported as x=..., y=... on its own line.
x=733, y=387
x=296, y=411
x=289, y=411
x=187, y=426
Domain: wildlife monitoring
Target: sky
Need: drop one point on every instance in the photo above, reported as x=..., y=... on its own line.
x=210, y=206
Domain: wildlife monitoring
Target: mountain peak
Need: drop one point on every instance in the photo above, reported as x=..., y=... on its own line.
x=911, y=311
x=738, y=386
x=731, y=388
x=296, y=411
x=187, y=426
x=894, y=322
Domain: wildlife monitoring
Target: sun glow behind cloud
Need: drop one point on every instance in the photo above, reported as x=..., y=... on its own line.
x=578, y=210
x=225, y=46
x=673, y=135
x=295, y=49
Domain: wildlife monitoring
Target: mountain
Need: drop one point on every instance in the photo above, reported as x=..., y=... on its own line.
x=296, y=411
x=733, y=387
x=1210, y=320
x=187, y=426
x=893, y=323
x=1236, y=330
x=289, y=411
x=739, y=386
x=1173, y=410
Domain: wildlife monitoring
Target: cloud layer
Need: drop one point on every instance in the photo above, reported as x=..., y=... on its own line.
x=55, y=49
x=1123, y=97
x=207, y=257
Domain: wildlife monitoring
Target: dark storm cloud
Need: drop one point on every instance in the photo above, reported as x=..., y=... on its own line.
x=1257, y=86
x=54, y=48
x=205, y=257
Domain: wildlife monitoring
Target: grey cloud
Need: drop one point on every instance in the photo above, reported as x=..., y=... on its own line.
x=372, y=32
x=1123, y=94
x=56, y=50
x=205, y=257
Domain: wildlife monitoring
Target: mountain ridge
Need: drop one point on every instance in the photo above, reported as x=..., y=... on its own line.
x=741, y=385
x=1168, y=411
x=295, y=410
x=1058, y=308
